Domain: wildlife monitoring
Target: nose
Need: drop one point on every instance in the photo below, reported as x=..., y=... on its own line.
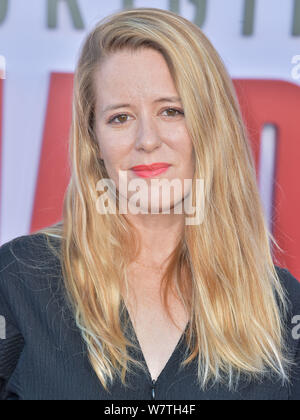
x=148, y=137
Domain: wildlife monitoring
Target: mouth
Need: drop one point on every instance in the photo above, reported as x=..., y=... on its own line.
x=149, y=171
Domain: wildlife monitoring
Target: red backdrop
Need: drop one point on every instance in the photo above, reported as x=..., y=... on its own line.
x=262, y=102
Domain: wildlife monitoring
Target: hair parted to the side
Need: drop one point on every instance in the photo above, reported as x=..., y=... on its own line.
x=236, y=302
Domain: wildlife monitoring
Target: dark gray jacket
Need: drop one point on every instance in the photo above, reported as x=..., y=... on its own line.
x=43, y=356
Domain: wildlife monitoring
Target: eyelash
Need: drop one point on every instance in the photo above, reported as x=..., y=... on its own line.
x=111, y=121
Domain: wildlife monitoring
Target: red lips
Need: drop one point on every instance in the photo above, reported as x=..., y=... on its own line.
x=152, y=167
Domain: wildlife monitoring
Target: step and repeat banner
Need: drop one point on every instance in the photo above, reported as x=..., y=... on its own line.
x=259, y=42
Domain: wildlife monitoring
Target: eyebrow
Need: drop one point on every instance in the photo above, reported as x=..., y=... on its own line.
x=116, y=106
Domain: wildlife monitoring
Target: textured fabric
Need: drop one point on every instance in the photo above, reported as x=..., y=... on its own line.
x=44, y=357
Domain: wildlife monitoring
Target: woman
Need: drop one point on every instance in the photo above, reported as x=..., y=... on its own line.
x=145, y=305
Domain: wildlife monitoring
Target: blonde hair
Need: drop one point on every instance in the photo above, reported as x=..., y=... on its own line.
x=235, y=299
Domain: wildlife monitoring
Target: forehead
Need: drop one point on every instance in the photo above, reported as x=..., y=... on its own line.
x=133, y=74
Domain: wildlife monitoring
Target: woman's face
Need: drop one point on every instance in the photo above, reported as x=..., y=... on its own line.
x=140, y=121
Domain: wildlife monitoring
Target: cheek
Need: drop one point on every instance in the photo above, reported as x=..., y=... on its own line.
x=185, y=149
x=180, y=138
x=189, y=168
x=113, y=147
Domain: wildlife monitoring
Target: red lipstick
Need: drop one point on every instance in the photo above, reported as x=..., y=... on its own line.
x=148, y=171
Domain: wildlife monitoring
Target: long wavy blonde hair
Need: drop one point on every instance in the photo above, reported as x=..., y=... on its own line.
x=233, y=293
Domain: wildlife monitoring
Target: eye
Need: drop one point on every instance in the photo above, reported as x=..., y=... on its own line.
x=174, y=112
x=112, y=120
x=123, y=117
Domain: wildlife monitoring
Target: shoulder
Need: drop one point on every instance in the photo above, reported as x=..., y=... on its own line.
x=291, y=286
x=33, y=302
x=28, y=248
x=29, y=253
x=28, y=264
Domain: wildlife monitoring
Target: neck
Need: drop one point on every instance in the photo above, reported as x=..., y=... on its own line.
x=159, y=233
